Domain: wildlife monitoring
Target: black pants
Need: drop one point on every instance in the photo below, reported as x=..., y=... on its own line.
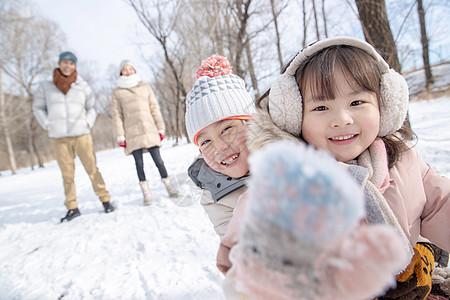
x=156, y=156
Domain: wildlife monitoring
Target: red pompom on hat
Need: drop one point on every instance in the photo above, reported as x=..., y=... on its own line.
x=214, y=66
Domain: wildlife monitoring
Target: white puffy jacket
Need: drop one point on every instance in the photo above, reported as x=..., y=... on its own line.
x=65, y=115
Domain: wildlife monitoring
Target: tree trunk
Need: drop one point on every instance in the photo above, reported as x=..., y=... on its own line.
x=305, y=26
x=375, y=24
x=39, y=156
x=9, y=145
x=251, y=70
x=177, y=113
x=315, y=20
x=30, y=143
x=324, y=16
x=243, y=16
x=424, y=40
x=277, y=33
x=161, y=27
x=36, y=149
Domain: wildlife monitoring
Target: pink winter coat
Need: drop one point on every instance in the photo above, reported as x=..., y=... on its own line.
x=420, y=199
x=137, y=116
x=418, y=196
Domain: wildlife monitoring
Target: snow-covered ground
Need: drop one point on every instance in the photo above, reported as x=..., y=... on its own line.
x=163, y=251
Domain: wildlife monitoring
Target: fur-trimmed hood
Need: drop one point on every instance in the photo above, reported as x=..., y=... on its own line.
x=262, y=130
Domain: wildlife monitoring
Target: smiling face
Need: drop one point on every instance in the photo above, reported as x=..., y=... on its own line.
x=223, y=145
x=127, y=70
x=345, y=125
x=67, y=67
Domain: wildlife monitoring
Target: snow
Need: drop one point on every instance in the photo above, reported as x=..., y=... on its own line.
x=162, y=251
x=440, y=77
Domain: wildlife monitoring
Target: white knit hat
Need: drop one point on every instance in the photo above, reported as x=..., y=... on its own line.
x=285, y=100
x=124, y=63
x=217, y=96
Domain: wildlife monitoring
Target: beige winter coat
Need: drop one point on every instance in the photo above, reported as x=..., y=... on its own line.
x=221, y=212
x=136, y=115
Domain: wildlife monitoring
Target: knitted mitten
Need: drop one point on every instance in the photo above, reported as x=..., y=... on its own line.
x=303, y=235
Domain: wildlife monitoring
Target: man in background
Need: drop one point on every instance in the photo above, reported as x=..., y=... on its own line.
x=64, y=107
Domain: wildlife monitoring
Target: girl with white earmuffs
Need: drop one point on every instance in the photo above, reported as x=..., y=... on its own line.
x=339, y=95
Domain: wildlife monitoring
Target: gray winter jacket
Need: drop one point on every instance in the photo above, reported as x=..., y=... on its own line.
x=65, y=115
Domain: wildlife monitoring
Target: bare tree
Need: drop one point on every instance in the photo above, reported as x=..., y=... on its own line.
x=241, y=8
x=6, y=131
x=324, y=17
x=375, y=24
x=425, y=50
x=305, y=23
x=159, y=19
x=27, y=46
x=245, y=12
x=105, y=90
x=275, y=14
x=252, y=69
x=316, y=22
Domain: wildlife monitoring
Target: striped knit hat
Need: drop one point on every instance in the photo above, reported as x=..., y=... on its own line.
x=217, y=95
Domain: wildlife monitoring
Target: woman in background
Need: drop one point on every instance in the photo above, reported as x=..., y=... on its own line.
x=139, y=125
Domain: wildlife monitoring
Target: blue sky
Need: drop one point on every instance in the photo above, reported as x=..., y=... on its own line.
x=96, y=30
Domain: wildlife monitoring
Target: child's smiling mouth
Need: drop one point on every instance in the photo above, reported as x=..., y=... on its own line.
x=342, y=137
x=230, y=160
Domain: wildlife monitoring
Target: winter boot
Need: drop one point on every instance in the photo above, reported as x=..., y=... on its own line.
x=173, y=192
x=71, y=214
x=146, y=191
x=108, y=207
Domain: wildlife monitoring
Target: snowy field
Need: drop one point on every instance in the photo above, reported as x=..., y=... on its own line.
x=164, y=251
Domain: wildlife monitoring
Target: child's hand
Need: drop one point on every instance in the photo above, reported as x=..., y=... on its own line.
x=303, y=231
x=161, y=135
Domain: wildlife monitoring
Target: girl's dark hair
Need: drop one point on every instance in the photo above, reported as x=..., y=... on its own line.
x=361, y=70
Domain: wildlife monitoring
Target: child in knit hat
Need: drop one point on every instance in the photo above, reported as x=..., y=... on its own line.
x=302, y=237
x=339, y=95
x=217, y=110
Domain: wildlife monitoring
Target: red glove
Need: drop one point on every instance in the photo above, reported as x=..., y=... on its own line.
x=121, y=141
x=161, y=135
